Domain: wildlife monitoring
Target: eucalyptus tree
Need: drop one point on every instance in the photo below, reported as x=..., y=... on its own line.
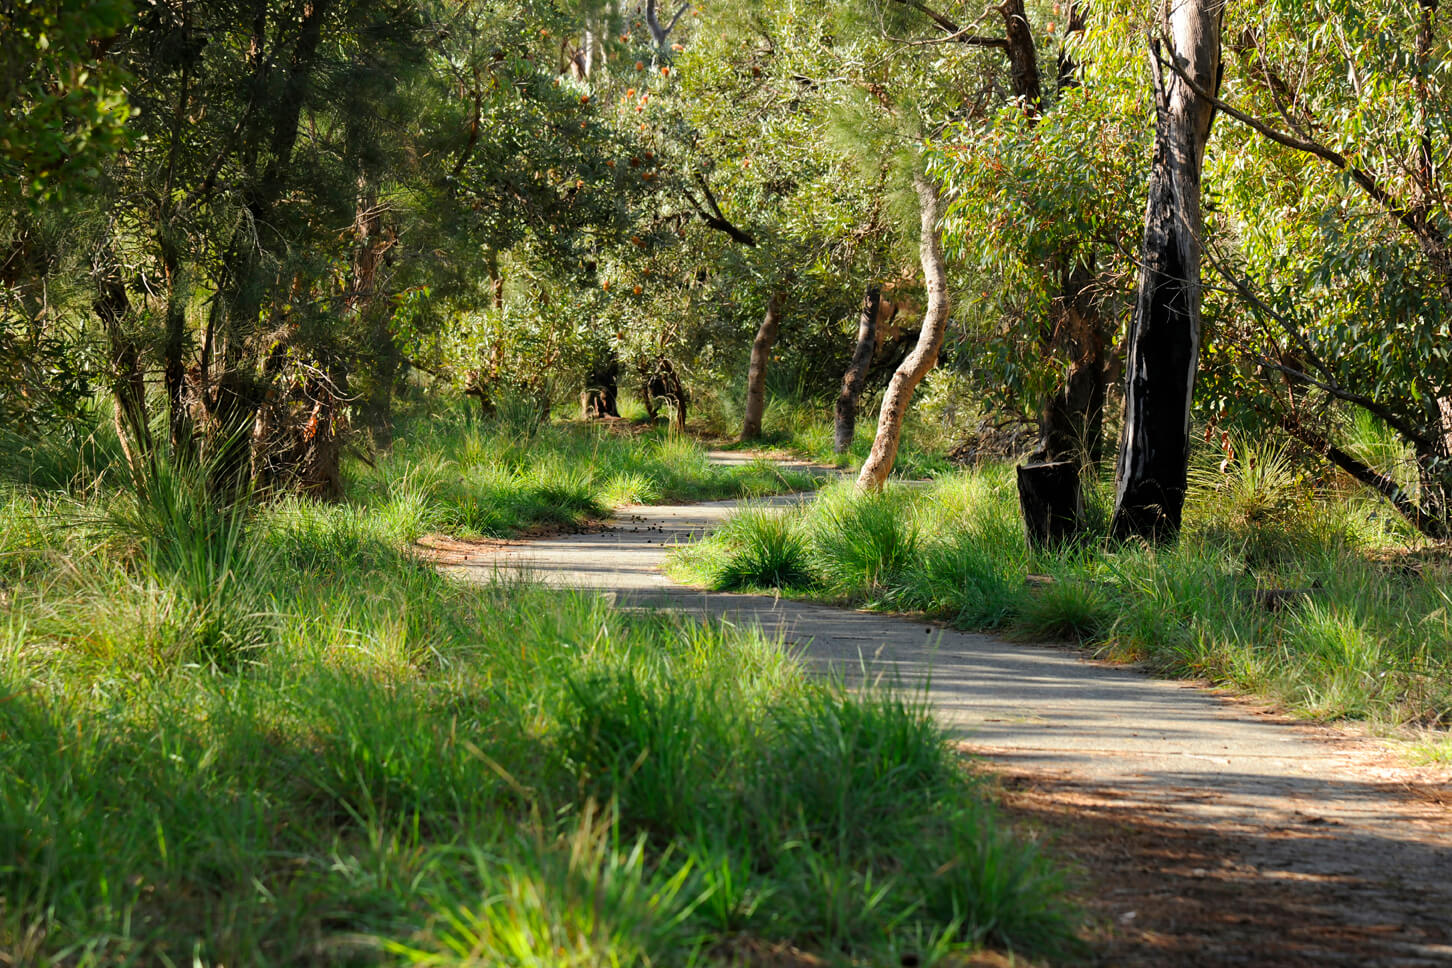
x=1042, y=211
x=1336, y=253
x=774, y=223
x=1163, y=355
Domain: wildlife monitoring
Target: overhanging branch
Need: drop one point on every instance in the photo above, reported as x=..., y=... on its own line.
x=1430, y=236
x=716, y=218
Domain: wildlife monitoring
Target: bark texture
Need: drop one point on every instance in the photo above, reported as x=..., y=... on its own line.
x=761, y=347
x=1164, y=335
x=924, y=355
x=856, y=375
x=1051, y=502
x=1072, y=422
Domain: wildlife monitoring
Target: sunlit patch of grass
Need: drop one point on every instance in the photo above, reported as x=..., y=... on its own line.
x=471, y=477
x=383, y=766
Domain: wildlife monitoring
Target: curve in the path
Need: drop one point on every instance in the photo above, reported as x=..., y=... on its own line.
x=1311, y=809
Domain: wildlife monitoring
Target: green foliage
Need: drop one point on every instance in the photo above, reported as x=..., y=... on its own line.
x=403, y=769
x=64, y=111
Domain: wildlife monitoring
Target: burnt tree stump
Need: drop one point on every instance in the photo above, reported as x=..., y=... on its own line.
x=1051, y=502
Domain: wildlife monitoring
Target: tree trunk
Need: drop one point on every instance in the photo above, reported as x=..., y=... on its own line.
x=1051, y=502
x=756, y=375
x=924, y=355
x=1023, y=58
x=856, y=374
x=496, y=279
x=128, y=384
x=1164, y=335
x=1071, y=425
x=600, y=396
x=369, y=306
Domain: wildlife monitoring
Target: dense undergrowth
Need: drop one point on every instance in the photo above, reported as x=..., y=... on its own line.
x=273, y=736
x=1315, y=596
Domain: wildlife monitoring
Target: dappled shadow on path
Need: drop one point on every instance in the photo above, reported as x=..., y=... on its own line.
x=1164, y=891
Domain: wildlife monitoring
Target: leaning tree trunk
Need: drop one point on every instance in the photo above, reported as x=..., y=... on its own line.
x=1164, y=335
x=924, y=355
x=856, y=374
x=756, y=376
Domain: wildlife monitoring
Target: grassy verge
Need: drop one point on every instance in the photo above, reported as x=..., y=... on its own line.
x=274, y=737
x=451, y=472
x=1310, y=597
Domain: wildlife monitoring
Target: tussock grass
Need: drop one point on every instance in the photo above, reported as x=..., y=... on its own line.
x=469, y=477
x=1280, y=584
x=272, y=736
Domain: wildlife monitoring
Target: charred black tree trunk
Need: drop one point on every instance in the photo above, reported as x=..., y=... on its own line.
x=761, y=347
x=1164, y=334
x=856, y=375
x=1071, y=426
x=1023, y=58
x=173, y=363
x=1051, y=502
x=598, y=401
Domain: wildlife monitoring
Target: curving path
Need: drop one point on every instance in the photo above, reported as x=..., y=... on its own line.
x=1321, y=849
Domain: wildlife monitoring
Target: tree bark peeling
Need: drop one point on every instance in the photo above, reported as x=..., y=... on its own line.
x=1164, y=336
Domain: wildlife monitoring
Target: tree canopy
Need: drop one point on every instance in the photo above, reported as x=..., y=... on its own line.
x=251, y=224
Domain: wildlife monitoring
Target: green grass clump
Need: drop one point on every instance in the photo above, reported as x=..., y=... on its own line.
x=1353, y=627
x=861, y=542
x=469, y=477
x=239, y=735
x=767, y=550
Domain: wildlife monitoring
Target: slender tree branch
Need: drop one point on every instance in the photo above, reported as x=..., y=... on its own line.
x=1431, y=237
x=1366, y=403
x=716, y=218
x=943, y=22
x=652, y=20
x=955, y=33
x=1245, y=292
x=1327, y=385
x=1425, y=519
